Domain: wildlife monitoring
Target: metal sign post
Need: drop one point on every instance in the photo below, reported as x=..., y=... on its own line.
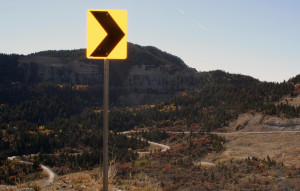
x=105, y=124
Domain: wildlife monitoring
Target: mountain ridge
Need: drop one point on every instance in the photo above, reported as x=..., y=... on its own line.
x=146, y=76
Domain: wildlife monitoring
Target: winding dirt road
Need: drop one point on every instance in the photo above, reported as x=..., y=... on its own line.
x=49, y=172
x=45, y=169
x=162, y=146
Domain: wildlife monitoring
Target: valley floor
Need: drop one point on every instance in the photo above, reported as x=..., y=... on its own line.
x=250, y=141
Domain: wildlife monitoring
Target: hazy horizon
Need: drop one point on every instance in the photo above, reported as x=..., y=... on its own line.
x=100, y=61
x=255, y=38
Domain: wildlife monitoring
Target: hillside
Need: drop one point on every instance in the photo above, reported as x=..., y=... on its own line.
x=147, y=73
x=75, y=62
x=50, y=106
x=259, y=135
x=146, y=76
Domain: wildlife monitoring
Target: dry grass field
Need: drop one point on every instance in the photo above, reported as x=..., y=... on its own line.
x=261, y=135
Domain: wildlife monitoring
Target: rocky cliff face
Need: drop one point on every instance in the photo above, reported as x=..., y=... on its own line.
x=160, y=79
x=249, y=122
x=53, y=69
x=146, y=76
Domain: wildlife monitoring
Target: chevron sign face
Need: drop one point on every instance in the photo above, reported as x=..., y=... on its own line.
x=106, y=34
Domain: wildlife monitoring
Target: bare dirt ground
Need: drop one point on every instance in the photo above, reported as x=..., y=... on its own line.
x=294, y=101
x=259, y=135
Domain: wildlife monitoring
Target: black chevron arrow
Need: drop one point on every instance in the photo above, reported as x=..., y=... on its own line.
x=114, y=34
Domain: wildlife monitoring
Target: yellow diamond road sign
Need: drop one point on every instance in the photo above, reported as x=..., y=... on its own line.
x=106, y=34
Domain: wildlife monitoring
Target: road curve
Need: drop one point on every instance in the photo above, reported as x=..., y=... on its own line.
x=49, y=172
x=45, y=169
x=162, y=146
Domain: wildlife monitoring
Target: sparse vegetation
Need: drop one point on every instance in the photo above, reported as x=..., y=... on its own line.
x=13, y=172
x=251, y=173
x=62, y=124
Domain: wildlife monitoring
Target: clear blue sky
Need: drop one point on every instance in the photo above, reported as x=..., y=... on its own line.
x=260, y=38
